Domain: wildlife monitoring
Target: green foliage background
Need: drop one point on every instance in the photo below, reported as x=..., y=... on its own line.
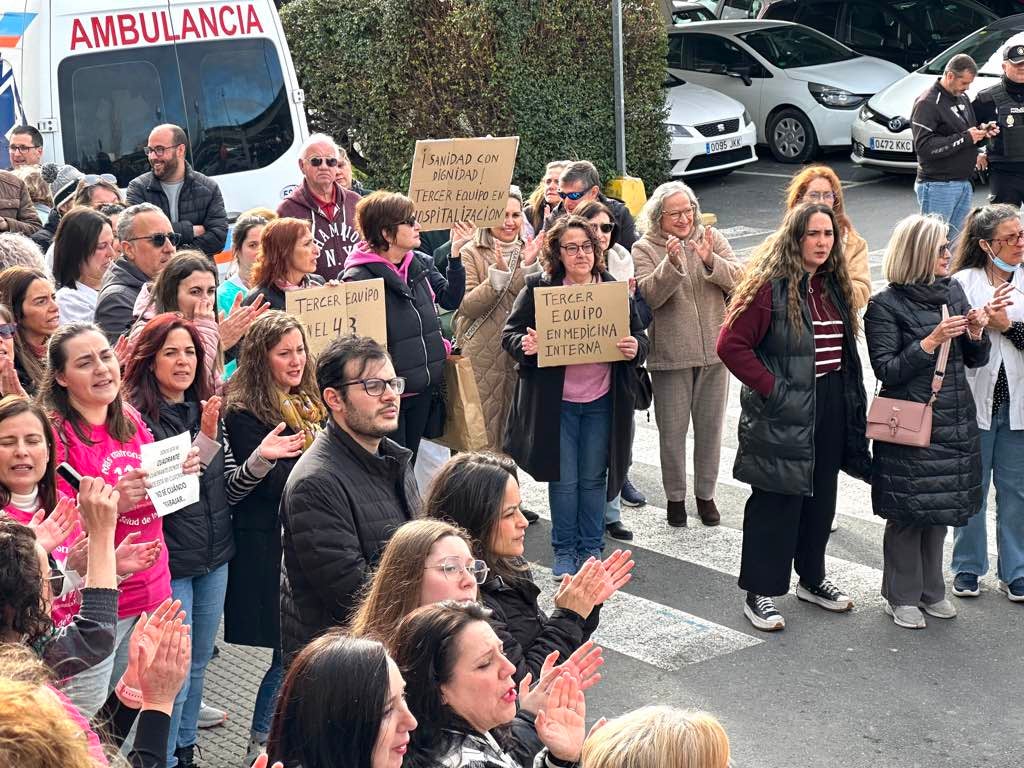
x=381, y=74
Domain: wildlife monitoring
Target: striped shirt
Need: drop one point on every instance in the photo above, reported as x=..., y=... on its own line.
x=828, y=329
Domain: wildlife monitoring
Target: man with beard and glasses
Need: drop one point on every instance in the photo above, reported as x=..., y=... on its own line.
x=191, y=201
x=347, y=494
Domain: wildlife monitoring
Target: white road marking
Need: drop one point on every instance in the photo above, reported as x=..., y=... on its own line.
x=739, y=231
x=654, y=633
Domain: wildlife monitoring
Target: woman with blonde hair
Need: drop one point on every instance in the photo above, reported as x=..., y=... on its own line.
x=544, y=198
x=658, y=737
x=424, y=562
x=791, y=338
x=919, y=491
x=497, y=261
x=820, y=184
x=684, y=270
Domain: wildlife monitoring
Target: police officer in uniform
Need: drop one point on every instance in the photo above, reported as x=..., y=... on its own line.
x=1003, y=106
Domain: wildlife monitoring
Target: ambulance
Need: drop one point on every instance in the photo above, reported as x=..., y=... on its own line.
x=95, y=76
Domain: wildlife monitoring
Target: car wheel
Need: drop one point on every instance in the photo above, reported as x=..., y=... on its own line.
x=791, y=136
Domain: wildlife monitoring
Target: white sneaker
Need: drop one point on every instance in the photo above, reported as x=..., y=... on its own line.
x=908, y=616
x=835, y=523
x=943, y=609
x=210, y=717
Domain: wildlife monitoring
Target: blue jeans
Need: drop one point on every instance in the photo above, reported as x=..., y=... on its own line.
x=266, y=698
x=577, y=499
x=951, y=199
x=1002, y=462
x=613, y=510
x=202, y=600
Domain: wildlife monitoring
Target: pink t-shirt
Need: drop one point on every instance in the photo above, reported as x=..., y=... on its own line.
x=109, y=458
x=586, y=382
x=95, y=748
x=63, y=609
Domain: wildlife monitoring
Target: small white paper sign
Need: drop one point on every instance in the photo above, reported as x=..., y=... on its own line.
x=170, y=489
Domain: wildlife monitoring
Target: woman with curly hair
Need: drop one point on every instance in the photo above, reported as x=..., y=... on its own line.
x=820, y=184
x=790, y=337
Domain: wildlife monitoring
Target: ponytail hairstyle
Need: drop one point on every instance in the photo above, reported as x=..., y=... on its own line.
x=981, y=224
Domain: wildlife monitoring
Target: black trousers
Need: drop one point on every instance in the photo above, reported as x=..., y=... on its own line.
x=412, y=421
x=783, y=531
x=1006, y=187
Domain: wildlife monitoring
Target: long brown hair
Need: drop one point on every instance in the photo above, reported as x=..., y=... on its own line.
x=277, y=244
x=780, y=257
x=252, y=387
x=394, y=591
x=14, y=284
x=55, y=396
x=15, y=405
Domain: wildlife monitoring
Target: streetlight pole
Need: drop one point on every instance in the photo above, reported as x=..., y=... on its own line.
x=620, y=106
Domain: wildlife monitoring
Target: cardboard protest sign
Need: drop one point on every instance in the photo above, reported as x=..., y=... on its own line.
x=462, y=180
x=581, y=323
x=170, y=488
x=345, y=309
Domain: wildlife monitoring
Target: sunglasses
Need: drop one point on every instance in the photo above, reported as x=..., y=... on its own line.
x=572, y=195
x=92, y=179
x=7, y=330
x=160, y=238
x=606, y=227
x=410, y=222
x=316, y=162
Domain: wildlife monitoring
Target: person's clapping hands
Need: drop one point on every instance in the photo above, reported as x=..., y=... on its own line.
x=561, y=723
x=51, y=530
x=144, y=647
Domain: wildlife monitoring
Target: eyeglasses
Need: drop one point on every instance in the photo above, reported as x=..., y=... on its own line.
x=682, y=213
x=820, y=197
x=375, y=387
x=316, y=162
x=159, y=238
x=453, y=567
x=158, y=150
x=572, y=195
x=1011, y=240
x=572, y=248
x=7, y=330
x=944, y=248
x=22, y=148
x=410, y=222
x=92, y=179
x=606, y=227
x=55, y=578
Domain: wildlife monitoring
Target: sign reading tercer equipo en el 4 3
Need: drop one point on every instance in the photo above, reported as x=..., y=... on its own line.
x=581, y=323
x=340, y=309
x=462, y=180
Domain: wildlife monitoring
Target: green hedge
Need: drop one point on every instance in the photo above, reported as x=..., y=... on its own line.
x=382, y=73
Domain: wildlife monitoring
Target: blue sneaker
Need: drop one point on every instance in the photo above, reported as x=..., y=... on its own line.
x=564, y=564
x=631, y=495
x=1014, y=590
x=965, y=585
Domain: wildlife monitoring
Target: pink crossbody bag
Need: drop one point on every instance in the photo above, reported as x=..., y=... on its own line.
x=905, y=422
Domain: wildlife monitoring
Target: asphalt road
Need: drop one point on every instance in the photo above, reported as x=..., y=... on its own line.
x=842, y=691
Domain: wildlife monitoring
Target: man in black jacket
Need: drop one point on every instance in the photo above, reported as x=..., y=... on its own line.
x=346, y=496
x=945, y=133
x=579, y=182
x=191, y=201
x=1003, y=104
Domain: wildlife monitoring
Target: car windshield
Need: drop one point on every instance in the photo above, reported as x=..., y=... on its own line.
x=945, y=21
x=984, y=46
x=796, y=46
x=690, y=13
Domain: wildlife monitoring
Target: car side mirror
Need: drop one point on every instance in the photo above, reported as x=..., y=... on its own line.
x=742, y=71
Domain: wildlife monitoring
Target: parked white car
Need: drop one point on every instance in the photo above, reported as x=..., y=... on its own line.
x=710, y=132
x=881, y=132
x=801, y=87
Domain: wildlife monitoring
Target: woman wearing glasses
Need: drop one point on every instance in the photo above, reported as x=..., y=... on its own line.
x=988, y=259
x=424, y=562
x=286, y=262
x=83, y=250
x=820, y=184
x=479, y=492
x=412, y=286
x=273, y=394
x=570, y=425
x=921, y=491
x=31, y=297
x=685, y=269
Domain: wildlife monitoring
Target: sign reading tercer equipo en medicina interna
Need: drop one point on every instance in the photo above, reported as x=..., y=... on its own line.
x=340, y=309
x=581, y=323
x=462, y=180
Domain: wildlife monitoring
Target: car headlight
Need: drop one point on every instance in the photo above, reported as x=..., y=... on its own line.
x=835, y=98
x=747, y=119
x=679, y=132
x=867, y=114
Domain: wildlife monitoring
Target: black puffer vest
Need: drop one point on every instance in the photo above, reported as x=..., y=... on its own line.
x=776, y=435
